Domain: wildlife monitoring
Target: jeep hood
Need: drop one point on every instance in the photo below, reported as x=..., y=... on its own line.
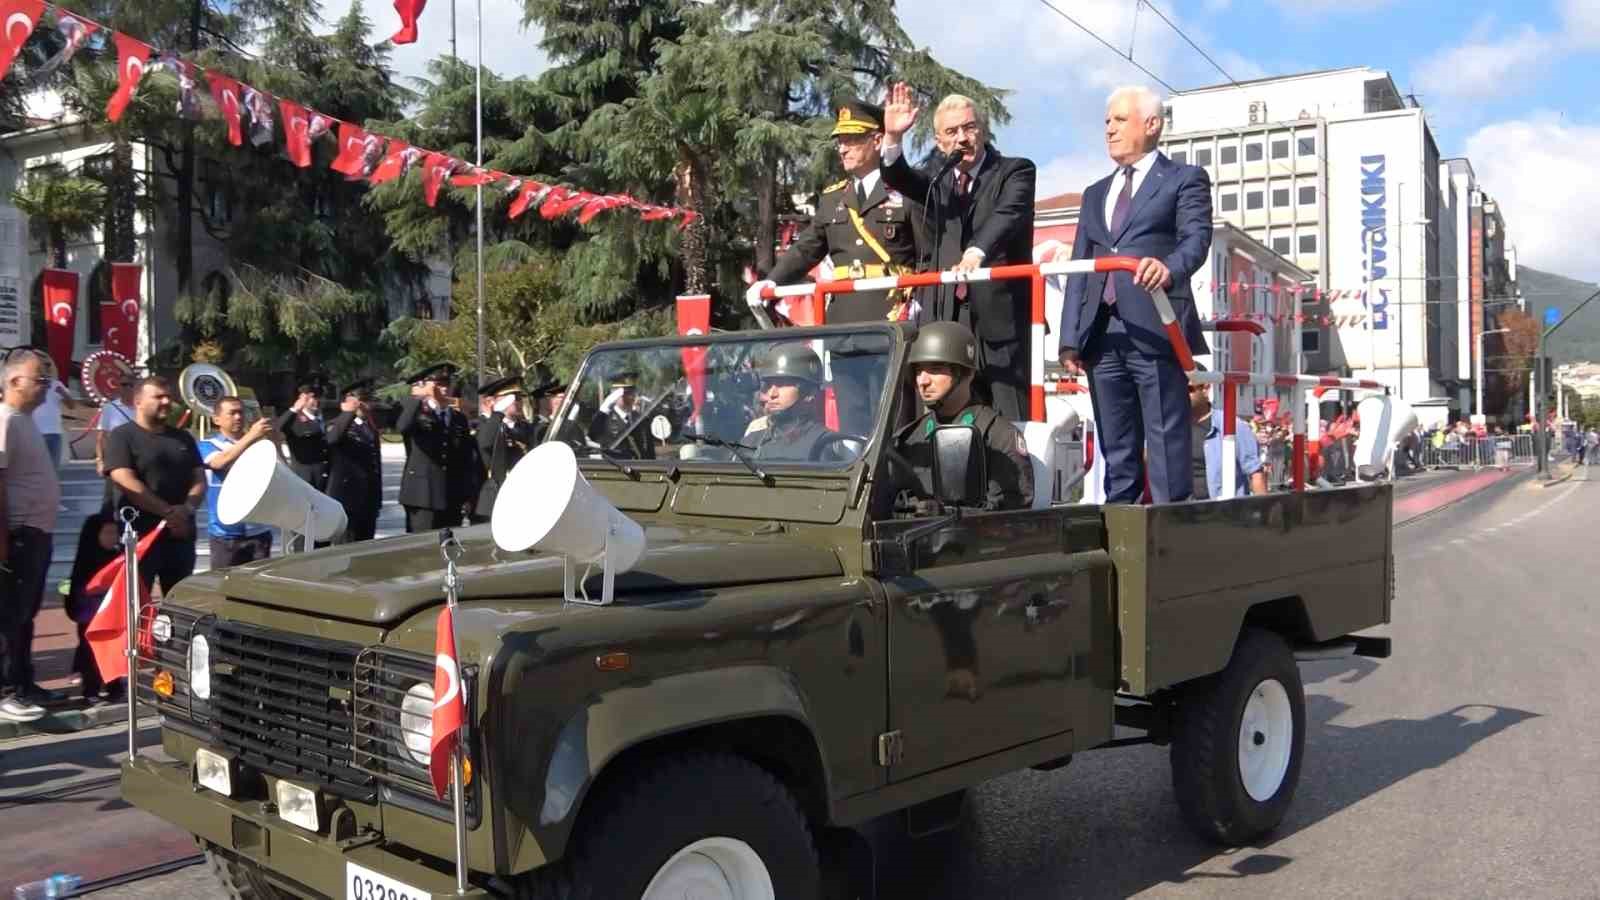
x=384, y=581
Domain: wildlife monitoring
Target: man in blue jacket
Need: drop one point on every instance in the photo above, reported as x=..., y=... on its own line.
x=1159, y=211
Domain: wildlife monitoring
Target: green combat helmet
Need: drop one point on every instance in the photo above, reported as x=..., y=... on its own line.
x=796, y=361
x=945, y=342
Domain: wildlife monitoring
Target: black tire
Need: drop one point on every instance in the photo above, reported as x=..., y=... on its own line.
x=241, y=879
x=1206, y=772
x=639, y=824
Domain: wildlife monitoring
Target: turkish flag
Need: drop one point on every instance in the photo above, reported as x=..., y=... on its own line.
x=652, y=213
x=473, y=178
x=694, y=319
x=359, y=151
x=131, y=58
x=410, y=11
x=107, y=633
x=20, y=18
x=435, y=169
x=119, y=316
x=396, y=163
x=597, y=205
x=296, y=132
x=448, y=711
x=60, y=311
x=562, y=201
x=227, y=91
x=531, y=194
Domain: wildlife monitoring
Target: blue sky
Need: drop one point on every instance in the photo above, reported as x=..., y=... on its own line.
x=1513, y=86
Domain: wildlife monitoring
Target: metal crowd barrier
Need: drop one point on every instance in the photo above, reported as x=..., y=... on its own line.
x=1473, y=452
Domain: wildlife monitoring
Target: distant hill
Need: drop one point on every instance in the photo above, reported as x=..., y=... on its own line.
x=1579, y=339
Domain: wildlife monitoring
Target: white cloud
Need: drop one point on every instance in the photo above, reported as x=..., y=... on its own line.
x=1535, y=167
x=1580, y=21
x=1070, y=173
x=508, y=49
x=1483, y=68
x=1315, y=9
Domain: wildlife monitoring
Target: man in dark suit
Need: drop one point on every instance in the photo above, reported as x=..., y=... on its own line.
x=1159, y=211
x=355, y=462
x=982, y=202
x=440, y=455
x=864, y=229
x=302, y=429
x=504, y=436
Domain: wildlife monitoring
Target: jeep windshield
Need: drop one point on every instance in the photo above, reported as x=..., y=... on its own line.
x=767, y=400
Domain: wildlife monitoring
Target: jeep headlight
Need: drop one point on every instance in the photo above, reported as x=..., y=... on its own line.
x=416, y=722
x=200, y=667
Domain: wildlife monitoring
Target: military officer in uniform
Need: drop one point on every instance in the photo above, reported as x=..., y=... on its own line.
x=618, y=416
x=355, y=462
x=436, y=486
x=944, y=360
x=865, y=231
x=303, y=433
x=504, y=435
x=791, y=396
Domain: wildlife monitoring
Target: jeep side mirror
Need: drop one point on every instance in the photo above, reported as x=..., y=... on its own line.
x=960, y=477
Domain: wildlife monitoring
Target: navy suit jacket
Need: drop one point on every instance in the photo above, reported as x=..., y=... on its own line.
x=1171, y=221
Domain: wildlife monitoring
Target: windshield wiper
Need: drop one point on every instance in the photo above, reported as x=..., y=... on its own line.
x=733, y=447
x=588, y=451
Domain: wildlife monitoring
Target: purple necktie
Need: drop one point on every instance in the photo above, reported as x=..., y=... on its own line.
x=1119, y=218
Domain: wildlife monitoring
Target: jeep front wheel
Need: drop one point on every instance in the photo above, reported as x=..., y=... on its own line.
x=1239, y=738
x=708, y=825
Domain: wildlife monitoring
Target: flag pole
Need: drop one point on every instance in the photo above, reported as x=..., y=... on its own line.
x=130, y=572
x=478, y=96
x=451, y=547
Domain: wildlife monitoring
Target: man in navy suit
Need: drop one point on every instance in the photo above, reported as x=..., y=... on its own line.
x=1160, y=212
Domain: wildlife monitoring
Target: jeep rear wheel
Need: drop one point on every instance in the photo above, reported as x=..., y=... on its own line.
x=706, y=825
x=1239, y=740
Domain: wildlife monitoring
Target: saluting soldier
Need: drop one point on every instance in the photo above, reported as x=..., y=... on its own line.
x=944, y=359
x=303, y=433
x=355, y=462
x=617, y=420
x=504, y=436
x=864, y=230
x=440, y=454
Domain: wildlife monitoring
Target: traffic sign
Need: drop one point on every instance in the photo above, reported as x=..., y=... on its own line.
x=1551, y=316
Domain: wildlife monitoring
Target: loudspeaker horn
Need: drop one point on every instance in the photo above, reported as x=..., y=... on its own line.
x=1385, y=421
x=546, y=504
x=261, y=488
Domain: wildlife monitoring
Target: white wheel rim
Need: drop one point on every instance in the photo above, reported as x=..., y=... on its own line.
x=716, y=868
x=1266, y=738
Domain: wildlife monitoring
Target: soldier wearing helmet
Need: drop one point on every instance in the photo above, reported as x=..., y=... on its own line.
x=944, y=361
x=791, y=397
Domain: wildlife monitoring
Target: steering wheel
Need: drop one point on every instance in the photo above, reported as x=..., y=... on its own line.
x=840, y=437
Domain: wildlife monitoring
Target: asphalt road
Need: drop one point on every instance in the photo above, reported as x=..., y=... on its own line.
x=1466, y=766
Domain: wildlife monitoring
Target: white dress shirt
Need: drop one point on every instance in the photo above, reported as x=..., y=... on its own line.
x=1141, y=168
x=867, y=182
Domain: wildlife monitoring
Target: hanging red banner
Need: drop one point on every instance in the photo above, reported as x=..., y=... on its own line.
x=359, y=151
x=60, y=312
x=296, y=132
x=20, y=18
x=694, y=319
x=226, y=91
x=119, y=318
x=435, y=169
x=131, y=58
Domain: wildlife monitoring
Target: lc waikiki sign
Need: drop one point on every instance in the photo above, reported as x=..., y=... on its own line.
x=1375, y=238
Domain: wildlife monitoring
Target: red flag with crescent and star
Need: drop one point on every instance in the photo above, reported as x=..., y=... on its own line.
x=396, y=163
x=435, y=169
x=410, y=11
x=107, y=633
x=353, y=150
x=120, y=316
x=227, y=91
x=296, y=132
x=60, y=289
x=132, y=56
x=530, y=194
x=448, y=711
x=694, y=319
x=20, y=17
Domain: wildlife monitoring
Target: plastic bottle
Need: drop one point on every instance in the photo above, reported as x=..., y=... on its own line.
x=57, y=885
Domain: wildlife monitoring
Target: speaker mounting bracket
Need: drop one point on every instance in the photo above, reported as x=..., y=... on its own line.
x=572, y=590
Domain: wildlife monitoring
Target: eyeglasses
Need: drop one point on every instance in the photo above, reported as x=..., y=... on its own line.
x=954, y=130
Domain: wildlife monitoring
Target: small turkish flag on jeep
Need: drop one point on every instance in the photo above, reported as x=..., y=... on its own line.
x=107, y=634
x=448, y=710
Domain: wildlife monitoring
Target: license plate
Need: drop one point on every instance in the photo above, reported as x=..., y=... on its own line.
x=362, y=883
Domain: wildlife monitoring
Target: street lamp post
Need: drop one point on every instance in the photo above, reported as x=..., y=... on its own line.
x=1478, y=406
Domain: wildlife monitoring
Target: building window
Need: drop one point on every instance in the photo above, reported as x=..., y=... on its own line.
x=1280, y=198
x=1228, y=155
x=1281, y=245
x=1181, y=157
x=1310, y=341
x=1308, y=146
x=218, y=193
x=1308, y=243
x=1280, y=149
x=1308, y=195
x=1252, y=153
x=1202, y=156
x=1253, y=199
x=1228, y=201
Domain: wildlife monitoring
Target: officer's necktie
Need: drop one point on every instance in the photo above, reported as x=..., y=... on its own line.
x=1119, y=218
x=861, y=195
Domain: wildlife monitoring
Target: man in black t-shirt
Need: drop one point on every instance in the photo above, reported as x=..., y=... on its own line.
x=157, y=470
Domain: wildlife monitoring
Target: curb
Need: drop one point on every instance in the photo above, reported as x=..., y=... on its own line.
x=1555, y=481
x=67, y=721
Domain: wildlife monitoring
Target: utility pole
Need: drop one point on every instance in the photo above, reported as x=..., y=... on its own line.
x=1540, y=447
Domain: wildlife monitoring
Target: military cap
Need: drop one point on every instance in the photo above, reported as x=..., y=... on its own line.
x=625, y=378
x=950, y=343
x=856, y=117
x=797, y=361
x=437, y=372
x=311, y=385
x=511, y=384
x=361, y=388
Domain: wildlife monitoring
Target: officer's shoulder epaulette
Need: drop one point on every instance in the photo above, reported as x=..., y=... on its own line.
x=836, y=187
